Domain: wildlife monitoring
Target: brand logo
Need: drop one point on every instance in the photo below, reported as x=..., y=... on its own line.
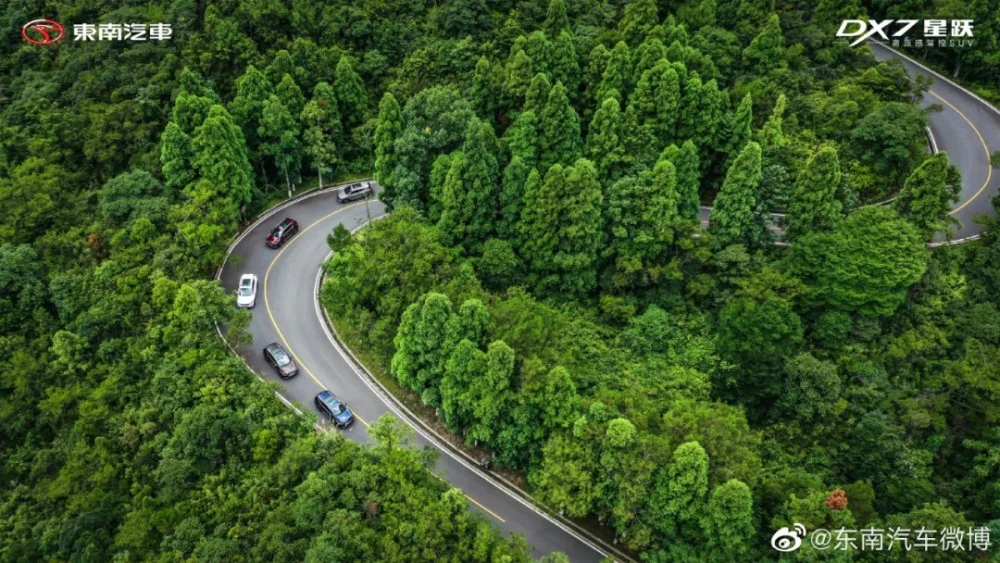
x=787, y=540
x=42, y=32
x=940, y=33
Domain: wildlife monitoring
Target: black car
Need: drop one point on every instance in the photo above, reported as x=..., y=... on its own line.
x=280, y=361
x=282, y=232
x=330, y=406
x=353, y=192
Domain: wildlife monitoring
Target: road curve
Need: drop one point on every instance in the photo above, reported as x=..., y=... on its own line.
x=287, y=312
x=967, y=128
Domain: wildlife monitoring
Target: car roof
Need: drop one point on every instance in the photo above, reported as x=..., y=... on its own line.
x=328, y=397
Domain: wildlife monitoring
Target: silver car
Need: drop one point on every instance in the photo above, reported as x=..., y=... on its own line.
x=351, y=192
x=246, y=294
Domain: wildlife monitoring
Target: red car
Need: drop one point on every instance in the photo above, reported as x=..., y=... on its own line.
x=282, y=233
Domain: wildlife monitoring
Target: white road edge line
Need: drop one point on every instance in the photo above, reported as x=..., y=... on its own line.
x=438, y=441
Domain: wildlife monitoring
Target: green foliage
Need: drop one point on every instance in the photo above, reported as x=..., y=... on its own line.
x=732, y=218
x=813, y=205
x=652, y=110
x=351, y=93
x=929, y=193
x=484, y=92
x=890, y=139
x=499, y=266
x=605, y=143
x=764, y=53
x=322, y=133
x=564, y=230
x=279, y=135
x=685, y=161
x=865, y=265
x=559, y=130
x=642, y=216
x=390, y=125
x=614, y=79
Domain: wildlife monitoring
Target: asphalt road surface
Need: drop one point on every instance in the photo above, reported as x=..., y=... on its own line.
x=968, y=129
x=287, y=311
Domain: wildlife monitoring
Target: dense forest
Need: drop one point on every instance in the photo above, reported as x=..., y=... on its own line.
x=543, y=280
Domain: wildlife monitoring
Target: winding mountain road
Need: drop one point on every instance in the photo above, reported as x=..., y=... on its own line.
x=288, y=312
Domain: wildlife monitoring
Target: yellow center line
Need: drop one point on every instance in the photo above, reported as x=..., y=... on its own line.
x=986, y=148
x=267, y=304
x=267, y=307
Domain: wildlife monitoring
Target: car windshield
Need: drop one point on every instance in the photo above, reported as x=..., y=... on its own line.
x=276, y=232
x=338, y=408
x=281, y=358
x=246, y=290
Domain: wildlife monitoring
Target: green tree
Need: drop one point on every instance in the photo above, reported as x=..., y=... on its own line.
x=614, y=79
x=593, y=74
x=499, y=265
x=739, y=128
x=865, y=265
x=641, y=215
x=484, y=90
x=812, y=388
x=419, y=343
x=813, y=204
x=605, y=146
x=466, y=364
x=765, y=53
x=564, y=230
x=556, y=20
x=189, y=111
x=253, y=91
x=701, y=116
x=891, y=141
x=290, y=95
x=176, y=156
x=732, y=216
x=389, y=128
x=929, y=193
x=220, y=158
x=517, y=75
x=537, y=94
x=678, y=497
x=321, y=129
x=279, y=135
x=685, y=161
x=728, y=521
x=651, y=111
x=351, y=93
x=515, y=178
x=491, y=392
x=470, y=199
x=559, y=125
x=565, y=481
x=565, y=66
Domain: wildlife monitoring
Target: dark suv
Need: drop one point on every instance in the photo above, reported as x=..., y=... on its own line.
x=282, y=233
x=280, y=361
x=353, y=192
x=330, y=406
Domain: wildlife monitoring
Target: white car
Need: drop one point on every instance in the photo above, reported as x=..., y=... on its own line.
x=246, y=295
